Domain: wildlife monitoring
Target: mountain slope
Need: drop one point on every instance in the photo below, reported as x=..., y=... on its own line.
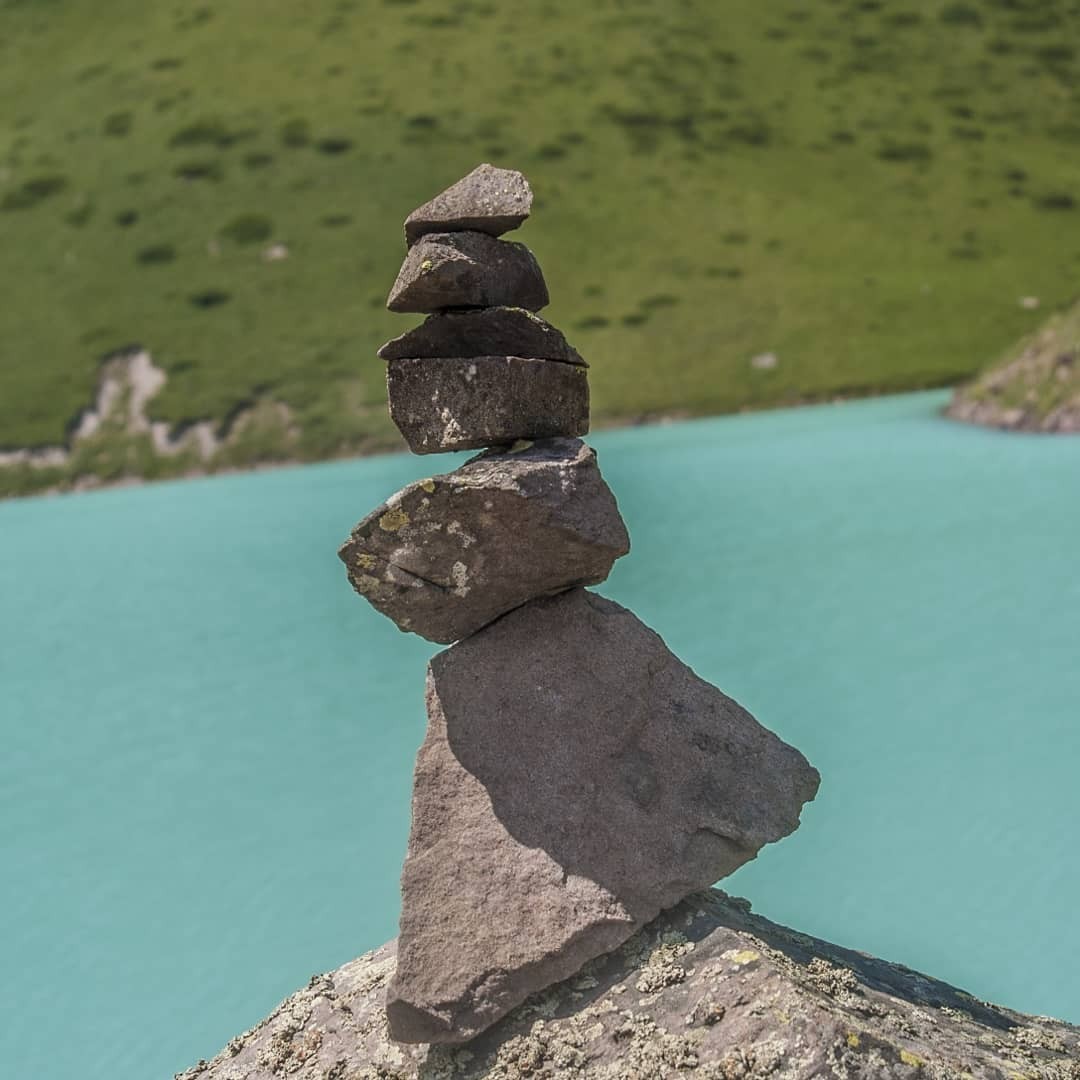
x=862, y=190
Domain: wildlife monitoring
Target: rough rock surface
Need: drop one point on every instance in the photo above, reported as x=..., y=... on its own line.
x=1036, y=388
x=488, y=200
x=707, y=991
x=447, y=555
x=576, y=779
x=498, y=331
x=468, y=403
x=467, y=269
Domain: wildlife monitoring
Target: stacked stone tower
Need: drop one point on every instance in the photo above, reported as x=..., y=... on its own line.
x=576, y=778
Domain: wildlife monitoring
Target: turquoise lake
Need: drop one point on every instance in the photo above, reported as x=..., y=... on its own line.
x=208, y=738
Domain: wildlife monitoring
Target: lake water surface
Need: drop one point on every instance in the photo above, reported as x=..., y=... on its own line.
x=207, y=738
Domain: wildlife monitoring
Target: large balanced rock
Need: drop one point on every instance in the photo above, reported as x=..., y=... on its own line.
x=497, y=331
x=576, y=779
x=466, y=403
x=446, y=556
x=467, y=269
x=708, y=991
x=488, y=200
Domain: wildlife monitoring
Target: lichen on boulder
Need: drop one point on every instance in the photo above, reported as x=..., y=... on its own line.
x=449, y=554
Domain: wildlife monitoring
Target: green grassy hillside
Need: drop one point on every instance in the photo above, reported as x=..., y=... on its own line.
x=863, y=188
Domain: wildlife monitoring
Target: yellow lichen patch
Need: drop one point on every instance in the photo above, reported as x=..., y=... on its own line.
x=853, y=1040
x=519, y=445
x=426, y=265
x=394, y=519
x=428, y=485
x=908, y=1058
x=366, y=561
x=742, y=957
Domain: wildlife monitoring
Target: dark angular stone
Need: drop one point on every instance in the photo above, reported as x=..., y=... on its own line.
x=466, y=403
x=496, y=331
x=576, y=779
x=467, y=269
x=488, y=200
x=446, y=556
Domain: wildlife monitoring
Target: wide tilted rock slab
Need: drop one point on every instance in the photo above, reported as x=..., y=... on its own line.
x=467, y=269
x=498, y=331
x=488, y=200
x=708, y=990
x=446, y=556
x=466, y=403
x=576, y=779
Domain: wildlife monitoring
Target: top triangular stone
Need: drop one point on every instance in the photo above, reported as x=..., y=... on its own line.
x=488, y=200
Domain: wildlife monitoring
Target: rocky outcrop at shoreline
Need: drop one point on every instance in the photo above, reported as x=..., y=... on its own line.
x=128, y=381
x=708, y=990
x=1037, y=389
x=114, y=440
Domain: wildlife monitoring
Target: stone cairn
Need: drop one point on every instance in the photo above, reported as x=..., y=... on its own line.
x=576, y=778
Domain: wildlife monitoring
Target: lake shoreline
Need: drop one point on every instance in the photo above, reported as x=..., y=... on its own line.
x=89, y=484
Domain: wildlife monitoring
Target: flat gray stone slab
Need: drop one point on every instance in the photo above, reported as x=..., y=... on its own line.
x=708, y=990
x=488, y=200
x=467, y=269
x=576, y=779
x=497, y=331
x=457, y=403
x=446, y=556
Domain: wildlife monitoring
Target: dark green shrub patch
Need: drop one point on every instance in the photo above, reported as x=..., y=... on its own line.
x=210, y=298
x=200, y=170
x=1056, y=200
x=33, y=191
x=248, y=229
x=334, y=144
x=208, y=131
x=961, y=15
x=118, y=124
x=904, y=151
x=156, y=255
x=295, y=133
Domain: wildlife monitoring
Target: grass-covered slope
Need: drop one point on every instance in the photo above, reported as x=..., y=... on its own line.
x=1034, y=387
x=863, y=188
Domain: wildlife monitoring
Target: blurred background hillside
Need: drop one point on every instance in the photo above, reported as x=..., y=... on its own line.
x=738, y=204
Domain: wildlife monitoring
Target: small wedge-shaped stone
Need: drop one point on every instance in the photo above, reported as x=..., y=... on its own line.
x=467, y=403
x=467, y=269
x=576, y=779
x=446, y=556
x=488, y=200
x=497, y=331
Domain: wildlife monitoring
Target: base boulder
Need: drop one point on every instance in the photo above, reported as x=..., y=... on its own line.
x=709, y=991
